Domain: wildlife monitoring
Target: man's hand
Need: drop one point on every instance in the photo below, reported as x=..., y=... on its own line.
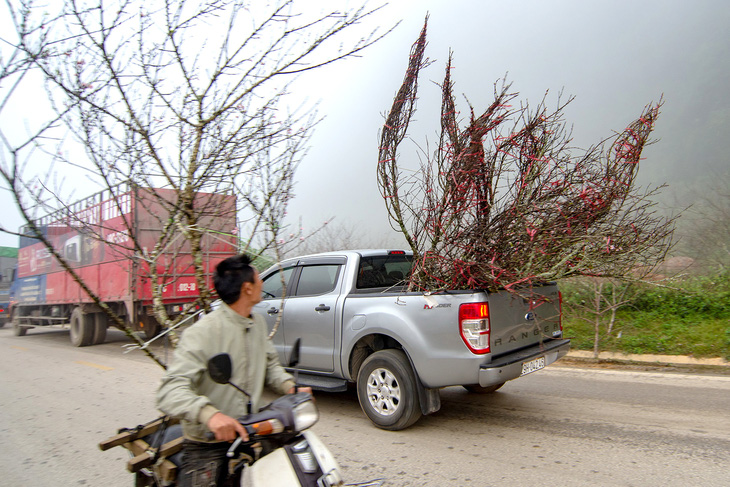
x=226, y=428
x=301, y=389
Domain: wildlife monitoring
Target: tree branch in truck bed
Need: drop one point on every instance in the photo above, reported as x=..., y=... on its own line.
x=505, y=201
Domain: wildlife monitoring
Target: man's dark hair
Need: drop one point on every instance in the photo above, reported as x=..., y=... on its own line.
x=230, y=275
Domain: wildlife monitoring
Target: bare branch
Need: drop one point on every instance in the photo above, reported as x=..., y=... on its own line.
x=505, y=202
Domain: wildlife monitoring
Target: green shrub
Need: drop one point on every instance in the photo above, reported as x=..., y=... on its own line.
x=691, y=320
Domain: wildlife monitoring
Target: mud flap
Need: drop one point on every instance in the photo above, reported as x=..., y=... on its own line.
x=429, y=399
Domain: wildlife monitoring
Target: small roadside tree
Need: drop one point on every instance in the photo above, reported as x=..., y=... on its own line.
x=597, y=300
x=185, y=95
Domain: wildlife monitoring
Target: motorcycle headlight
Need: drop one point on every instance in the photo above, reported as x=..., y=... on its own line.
x=305, y=415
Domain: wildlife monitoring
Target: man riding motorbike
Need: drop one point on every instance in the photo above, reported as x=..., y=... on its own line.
x=207, y=409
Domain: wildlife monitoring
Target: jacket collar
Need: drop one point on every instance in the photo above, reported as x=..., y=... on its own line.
x=235, y=317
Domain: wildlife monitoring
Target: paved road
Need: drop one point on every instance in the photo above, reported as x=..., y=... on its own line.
x=561, y=426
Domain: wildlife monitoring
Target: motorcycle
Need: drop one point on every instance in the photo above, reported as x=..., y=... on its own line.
x=280, y=451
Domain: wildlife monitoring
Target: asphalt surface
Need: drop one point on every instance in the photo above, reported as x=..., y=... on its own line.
x=578, y=422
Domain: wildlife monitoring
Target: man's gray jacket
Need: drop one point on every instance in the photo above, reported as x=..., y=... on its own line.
x=187, y=391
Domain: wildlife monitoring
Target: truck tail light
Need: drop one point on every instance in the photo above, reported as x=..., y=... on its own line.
x=474, y=326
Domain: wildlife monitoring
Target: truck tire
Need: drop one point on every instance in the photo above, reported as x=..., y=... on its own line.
x=386, y=389
x=150, y=326
x=477, y=389
x=18, y=330
x=101, y=322
x=81, y=328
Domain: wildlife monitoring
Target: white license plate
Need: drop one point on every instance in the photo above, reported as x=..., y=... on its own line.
x=532, y=366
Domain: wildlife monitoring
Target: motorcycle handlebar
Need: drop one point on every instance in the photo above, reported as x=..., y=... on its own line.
x=273, y=419
x=256, y=430
x=261, y=428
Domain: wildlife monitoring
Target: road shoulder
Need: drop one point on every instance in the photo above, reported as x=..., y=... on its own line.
x=650, y=363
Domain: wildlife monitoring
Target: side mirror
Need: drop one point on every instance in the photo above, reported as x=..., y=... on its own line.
x=294, y=357
x=220, y=368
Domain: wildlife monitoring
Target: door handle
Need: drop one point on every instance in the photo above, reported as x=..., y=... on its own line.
x=322, y=307
x=273, y=311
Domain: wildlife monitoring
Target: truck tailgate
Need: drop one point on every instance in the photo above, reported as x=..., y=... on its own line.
x=521, y=320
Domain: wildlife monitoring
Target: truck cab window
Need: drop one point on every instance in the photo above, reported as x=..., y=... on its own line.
x=317, y=279
x=384, y=271
x=273, y=287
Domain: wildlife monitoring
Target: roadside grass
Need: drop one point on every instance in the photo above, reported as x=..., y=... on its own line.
x=654, y=333
x=693, y=320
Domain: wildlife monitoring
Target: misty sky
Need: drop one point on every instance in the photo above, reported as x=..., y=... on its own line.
x=613, y=56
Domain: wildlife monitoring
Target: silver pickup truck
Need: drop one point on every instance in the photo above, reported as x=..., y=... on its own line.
x=358, y=323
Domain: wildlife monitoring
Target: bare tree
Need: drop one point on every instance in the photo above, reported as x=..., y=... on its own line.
x=189, y=96
x=17, y=56
x=597, y=300
x=504, y=201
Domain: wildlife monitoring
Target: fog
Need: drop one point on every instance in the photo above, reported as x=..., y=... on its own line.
x=615, y=57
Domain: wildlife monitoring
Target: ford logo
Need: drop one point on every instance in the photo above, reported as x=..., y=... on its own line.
x=530, y=316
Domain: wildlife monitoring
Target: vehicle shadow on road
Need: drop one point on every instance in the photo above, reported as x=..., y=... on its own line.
x=500, y=408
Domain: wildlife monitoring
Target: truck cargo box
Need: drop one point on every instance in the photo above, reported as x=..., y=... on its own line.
x=95, y=237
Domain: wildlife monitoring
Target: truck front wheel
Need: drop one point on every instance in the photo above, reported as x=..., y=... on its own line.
x=82, y=328
x=386, y=389
x=150, y=326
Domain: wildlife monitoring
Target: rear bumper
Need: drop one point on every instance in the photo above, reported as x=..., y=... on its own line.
x=510, y=366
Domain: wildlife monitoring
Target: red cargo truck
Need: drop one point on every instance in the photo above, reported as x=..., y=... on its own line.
x=95, y=236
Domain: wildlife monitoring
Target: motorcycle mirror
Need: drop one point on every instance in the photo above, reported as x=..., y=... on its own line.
x=294, y=357
x=220, y=368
